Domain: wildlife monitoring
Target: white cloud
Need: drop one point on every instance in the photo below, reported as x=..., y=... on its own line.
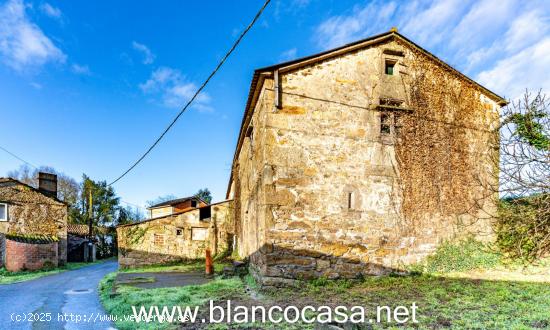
x=338, y=30
x=50, y=10
x=23, y=45
x=528, y=69
x=148, y=56
x=501, y=42
x=80, y=69
x=287, y=55
x=174, y=90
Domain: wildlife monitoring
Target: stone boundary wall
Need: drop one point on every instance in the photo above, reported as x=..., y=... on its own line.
x=28, y=256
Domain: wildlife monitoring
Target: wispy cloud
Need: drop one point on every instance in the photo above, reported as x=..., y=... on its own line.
x=81, y=69
x=148, y=56
x=499, y=42
x=50, y=10
x=23, y=45
x=174, y=90
x=287, y=55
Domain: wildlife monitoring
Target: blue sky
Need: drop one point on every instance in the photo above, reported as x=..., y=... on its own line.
x=86, y=87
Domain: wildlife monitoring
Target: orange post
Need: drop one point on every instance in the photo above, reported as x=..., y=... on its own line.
x=209, y=263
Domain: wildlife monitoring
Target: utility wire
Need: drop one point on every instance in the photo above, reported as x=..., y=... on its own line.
x=235, y=44
x=26, y=162
x=17, y=157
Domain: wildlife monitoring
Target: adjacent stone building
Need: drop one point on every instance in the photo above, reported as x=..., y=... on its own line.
x=360, y=160
x=33, y=224
x=177, y=236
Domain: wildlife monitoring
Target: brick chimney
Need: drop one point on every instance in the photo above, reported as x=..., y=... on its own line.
x=47, y=184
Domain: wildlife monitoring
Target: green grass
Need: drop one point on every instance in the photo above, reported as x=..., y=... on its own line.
x=458, y=303
x=195, y=295
x=14, y=277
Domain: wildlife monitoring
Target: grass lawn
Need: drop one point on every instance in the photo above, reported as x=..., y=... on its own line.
x=504, y=297
x=14, y=277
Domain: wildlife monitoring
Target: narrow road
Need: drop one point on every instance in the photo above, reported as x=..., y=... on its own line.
x=72, y=292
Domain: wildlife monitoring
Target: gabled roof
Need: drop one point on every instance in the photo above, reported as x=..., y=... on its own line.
x=17, y=182
x=176, y=201
x=257, y=79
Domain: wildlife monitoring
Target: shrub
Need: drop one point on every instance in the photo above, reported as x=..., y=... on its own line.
x=460, y=256
x=523, y=230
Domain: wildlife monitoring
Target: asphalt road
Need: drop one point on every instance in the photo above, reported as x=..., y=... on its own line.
x=72, y=292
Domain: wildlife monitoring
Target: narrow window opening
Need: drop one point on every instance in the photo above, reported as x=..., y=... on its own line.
x=205, y=213
x=3, y=212
x=179, y=232
x=350, y=201
x=389, y=68
x=193, y=203
x=385, y=123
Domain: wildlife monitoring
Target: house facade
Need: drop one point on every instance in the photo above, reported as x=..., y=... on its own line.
x=177, y=236
x=361, y=160
x=175, y=206
x=33, y=224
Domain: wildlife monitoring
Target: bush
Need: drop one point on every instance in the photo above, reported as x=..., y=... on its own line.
x=460, y=256
x=523, y=230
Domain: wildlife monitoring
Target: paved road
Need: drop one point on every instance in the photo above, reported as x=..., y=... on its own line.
x=65, y=293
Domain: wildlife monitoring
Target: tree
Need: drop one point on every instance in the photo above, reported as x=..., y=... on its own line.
x=129, y=214
x=105, y=203
x=205, y=195
x=524, y=224
x=67, y=187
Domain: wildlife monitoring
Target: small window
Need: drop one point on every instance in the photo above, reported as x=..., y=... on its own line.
x=193, y=203
x=350, y=200
x=179, y=232
x=205, y=213
x=385, y=123
x=3, y=212
x=389, y=68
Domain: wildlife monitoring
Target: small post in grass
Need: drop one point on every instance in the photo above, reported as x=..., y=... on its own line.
x=209, y=263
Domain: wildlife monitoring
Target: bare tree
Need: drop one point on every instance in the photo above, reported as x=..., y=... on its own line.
x=524, y=227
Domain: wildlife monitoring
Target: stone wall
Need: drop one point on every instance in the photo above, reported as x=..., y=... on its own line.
x=32, y=213
x=318, y=189
x=28, y=256
x=176, y=237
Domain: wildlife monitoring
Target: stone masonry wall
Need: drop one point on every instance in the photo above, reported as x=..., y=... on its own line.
x=318, y=188
x=32, y=213
x=26, y=256
x=176, y=237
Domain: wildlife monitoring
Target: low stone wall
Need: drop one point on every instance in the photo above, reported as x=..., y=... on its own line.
x=30, y=256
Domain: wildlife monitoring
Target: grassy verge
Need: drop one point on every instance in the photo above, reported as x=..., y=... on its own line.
x=14, y=277
x=196, y=295
x=176, y=267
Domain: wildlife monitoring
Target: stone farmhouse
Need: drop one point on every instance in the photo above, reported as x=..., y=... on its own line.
x=361, y=160
x=178, y=230
x=33, y=224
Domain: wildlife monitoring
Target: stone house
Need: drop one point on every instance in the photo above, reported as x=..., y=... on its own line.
x=361, y=160
x=33, y=223
x=177, y=236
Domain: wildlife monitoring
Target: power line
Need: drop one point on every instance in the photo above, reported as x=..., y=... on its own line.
x=235, y=44
x=17, y=157
x=26, y=162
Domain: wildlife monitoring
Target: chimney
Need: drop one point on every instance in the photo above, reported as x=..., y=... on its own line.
x=47, y=184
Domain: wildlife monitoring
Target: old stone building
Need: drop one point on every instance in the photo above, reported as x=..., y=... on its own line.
x=177, y=236
x=360, y=160
x=33, y=222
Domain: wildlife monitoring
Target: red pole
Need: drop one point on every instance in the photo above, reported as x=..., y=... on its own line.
x=209, y=263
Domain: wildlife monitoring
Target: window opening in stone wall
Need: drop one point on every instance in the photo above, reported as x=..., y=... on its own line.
x=385, y=123
x=3, y=212
x=205, y=213
x=193, y=203
x=350, y=200
x=389, y=67
x=179, y=232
